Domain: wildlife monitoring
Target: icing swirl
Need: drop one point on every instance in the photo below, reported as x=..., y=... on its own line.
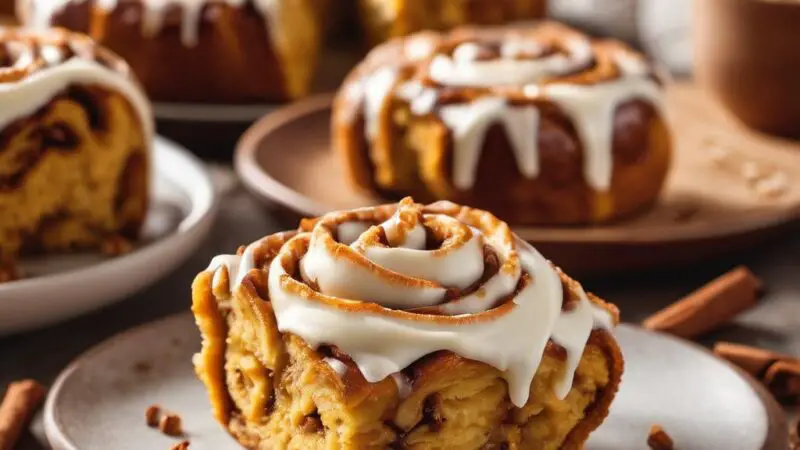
x=391, y=284
x=34, y=67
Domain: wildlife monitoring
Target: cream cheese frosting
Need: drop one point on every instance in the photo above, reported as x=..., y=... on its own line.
x=387, y=299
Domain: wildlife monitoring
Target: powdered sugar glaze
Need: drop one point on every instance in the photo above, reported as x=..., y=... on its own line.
x=520, y=65
x=389, y=293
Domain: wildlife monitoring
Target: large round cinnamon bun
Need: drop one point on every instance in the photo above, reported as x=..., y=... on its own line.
x=75, y=138
x=403, y=326
x=538, y=124
x=214, y=51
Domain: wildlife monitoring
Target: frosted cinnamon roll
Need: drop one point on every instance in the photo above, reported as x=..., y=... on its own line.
x=75, y=137
x=403, y=326
x=540, y=124
x=213, y=51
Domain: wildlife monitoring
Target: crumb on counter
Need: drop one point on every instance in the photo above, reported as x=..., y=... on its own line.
x=658, y=439
x=151, y=415
x=170, y=424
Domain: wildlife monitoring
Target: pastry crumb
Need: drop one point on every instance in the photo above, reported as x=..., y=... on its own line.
x=658, y=439
x=151, y=415
x=116, y=246
x=142, y=367
x=170, y=424
x=183, y=445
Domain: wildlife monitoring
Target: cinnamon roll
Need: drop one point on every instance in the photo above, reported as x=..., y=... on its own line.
x=403, y=326
x=75, y=137
x=541, y=125
x=386, y=19
x=212, y=51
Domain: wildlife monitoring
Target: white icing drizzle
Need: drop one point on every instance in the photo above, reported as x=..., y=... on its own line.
x=348, y=232
x=238, y=267
x=376, y=89
x=39, y=13
x=382, y=345
x=590, y=107
x=462, y=69
x=469, y=123
x=22, y=98
x=339, y=367
x=403, y=386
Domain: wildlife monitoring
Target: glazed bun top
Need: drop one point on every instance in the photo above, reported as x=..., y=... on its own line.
x=36, y=66
x=390, y=284
x=472, y=77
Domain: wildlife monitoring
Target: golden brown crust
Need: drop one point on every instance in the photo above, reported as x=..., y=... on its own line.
x=74, y=173
x=237, y=58
x=413, y=154
x=271, y=390
x=384, y=20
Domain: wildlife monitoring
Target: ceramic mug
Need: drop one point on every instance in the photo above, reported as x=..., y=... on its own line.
x=748, y=53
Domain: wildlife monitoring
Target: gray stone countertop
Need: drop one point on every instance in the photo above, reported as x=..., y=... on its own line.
x=774, y=323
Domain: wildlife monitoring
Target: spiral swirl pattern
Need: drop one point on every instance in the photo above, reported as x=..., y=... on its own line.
x=390, y=284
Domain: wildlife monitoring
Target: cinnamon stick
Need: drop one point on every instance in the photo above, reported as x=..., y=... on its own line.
x=783, y=380
x=752, y=360
x=779, y=372
x=709, y=307
x=21, y=400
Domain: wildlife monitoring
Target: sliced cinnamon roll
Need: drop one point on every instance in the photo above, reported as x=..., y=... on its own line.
x=539, y=124
x=75, y=137
x=210, y=51
x=403, y=326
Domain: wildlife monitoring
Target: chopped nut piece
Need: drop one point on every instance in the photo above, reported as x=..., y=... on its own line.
x=658, y=439
x=151, y=415
x=170, y=424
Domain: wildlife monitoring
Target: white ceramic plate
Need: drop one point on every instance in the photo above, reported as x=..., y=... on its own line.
x=201, y=112
x=58, y=287
x=101, y=397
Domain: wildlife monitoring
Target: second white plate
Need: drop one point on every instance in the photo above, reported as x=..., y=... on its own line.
x=58, y=287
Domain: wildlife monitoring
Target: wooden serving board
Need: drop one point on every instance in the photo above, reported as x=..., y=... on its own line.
x=729, y=189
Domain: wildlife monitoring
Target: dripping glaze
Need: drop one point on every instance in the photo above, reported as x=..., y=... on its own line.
x=39, y=13
x=590, y=107
x=383, y=344
x=23, y=97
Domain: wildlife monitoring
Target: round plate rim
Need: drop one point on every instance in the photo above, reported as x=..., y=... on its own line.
x=195, y=225
x=265, y=186
x=777, y=430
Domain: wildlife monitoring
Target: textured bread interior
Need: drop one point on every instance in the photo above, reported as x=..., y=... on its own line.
x=73, y=174
x=274, y=392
